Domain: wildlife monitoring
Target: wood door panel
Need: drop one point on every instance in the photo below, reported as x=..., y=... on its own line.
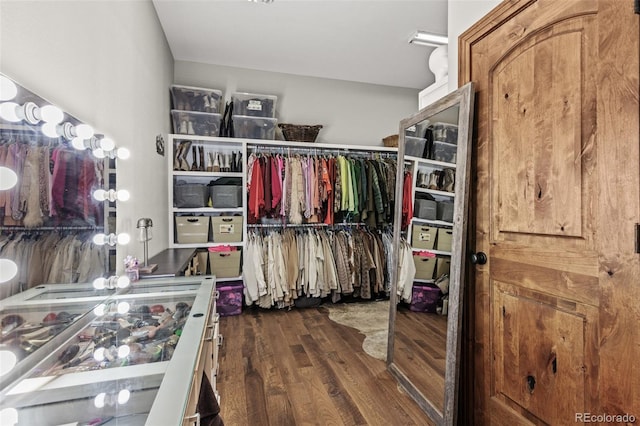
x=539, y=355
x=539, y=187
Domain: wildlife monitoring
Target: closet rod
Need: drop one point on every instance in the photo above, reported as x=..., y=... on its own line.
x=286, y=225
x=52, y=228
x=351, y=152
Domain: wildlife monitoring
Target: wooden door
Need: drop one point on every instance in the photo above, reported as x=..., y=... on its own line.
x=555, y=310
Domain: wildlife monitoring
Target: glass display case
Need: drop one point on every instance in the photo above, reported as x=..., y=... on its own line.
x=124, y=359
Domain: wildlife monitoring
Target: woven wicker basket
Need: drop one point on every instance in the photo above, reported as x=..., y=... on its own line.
x=391, y=141
x=300, y=132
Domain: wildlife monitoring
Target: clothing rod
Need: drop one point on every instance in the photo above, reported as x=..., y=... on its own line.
x=303, y=225
x=51, y=228
x=320, y=151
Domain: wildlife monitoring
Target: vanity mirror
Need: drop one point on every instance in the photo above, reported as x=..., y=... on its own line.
x=429, y=248
x=59, y=201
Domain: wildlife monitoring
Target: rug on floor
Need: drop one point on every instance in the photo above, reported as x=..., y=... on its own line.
x=370, y=318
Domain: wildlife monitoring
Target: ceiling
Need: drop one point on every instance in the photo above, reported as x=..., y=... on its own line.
x=352, y=40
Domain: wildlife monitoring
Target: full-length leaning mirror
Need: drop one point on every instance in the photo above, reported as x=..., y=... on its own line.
x=430, y=232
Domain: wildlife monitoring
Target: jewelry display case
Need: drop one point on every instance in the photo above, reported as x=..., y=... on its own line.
x=132, y=358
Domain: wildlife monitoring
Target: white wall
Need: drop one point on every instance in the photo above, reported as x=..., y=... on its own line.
x=351, y=113
x=463, y=14
x=108, y=64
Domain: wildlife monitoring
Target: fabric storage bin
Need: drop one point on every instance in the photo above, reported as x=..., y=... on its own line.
x=254, y=128
x=192, y=229
x=445, y=211
x=190, y=195
x=415, y=147
x=226, y=229
x=443, y=266
x=423, y=237
x=444, y=152
x=225, y=196
x=425, y=209
x=254, y=105
x=225, y=264
x=424, y=267
x=424, y=298
x=195, y=123
x=445, y=132
x=229, y=298
x=187, y=98
x=443, y=243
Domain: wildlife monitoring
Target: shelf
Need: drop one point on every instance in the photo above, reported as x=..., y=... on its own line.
x=432, y=222
x=207, y=174
x=430, y=162
x=418, y=280
x=207, y=210
x=436, y=192
x=207, y=244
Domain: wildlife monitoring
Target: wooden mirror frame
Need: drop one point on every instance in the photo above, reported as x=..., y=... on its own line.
x=464, y=98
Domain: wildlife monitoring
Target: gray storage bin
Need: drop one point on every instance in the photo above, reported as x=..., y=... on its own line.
x=415, y=147
x=445, y=211
x=444, y=152
x=190, y=195
x=425, y=209
x=445, y=132
x=226, y=196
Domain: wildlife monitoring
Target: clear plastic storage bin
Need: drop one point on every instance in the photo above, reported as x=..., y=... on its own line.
x=187, y=98
x=445, y=132
x=195, y=123
x=254, y=128
x=445, y=152
x=254, y=105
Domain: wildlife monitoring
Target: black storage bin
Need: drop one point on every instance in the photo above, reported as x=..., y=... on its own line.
x=188, y=195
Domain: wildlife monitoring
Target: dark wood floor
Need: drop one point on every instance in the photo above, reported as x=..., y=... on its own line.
x=300, y=368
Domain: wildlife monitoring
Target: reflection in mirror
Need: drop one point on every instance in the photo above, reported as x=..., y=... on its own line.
x=57, y=197
x=429, y=244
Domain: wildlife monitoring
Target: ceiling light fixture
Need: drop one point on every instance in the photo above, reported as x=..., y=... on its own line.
x=261, y=1
x=424, y=38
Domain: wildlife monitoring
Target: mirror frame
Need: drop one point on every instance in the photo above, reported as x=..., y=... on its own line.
x=464, y=98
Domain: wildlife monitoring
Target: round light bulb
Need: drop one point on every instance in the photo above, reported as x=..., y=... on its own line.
x=99, y=153
x=100, y=239
x=107, y=144
x=123, y=396
x=123, y=153
x=8, y=178
x=8, y=270
x=98, y=401
x=123, y=307
x=100, y=310
x=84, y=131
x=8, y=89
x=98, y=354
x=99, y=283
x=123, y=195
x=123, y=351
x=51, y=114
x=8, y=111
x=100, y=194
x=123, y=281
x=123, y=239
x=8, y=360
x=50, y=129
x=78, y=143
